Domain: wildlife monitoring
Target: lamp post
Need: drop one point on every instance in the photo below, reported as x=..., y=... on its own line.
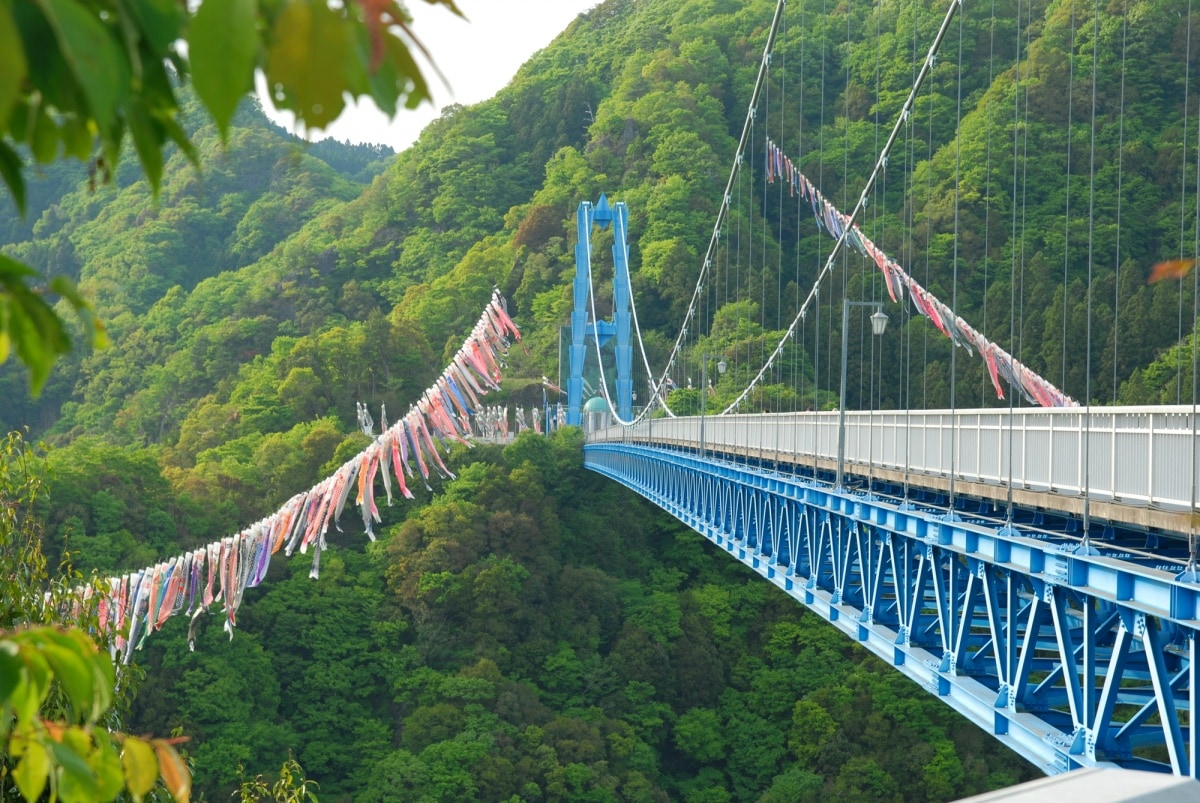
x=721, y=366
x=878, y=325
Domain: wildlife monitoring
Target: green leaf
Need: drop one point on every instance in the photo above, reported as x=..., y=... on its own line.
x=33, y=686
x=223, y=48
x=32, y=324
x=76, y=781
x=49, y=71
x=71, y=670
x=83, y=308
x=402, y=61
x=76, y=139
x=158, y=91
x=12, y=63
x=161, y=22
x=147, y=140
x=107, y=765
x=44, y=142
x=10, y=668
x=91, y=53
x=10, y=171
x=104, y=676
x=11, y=270
x=89, y=684
x=33, y=770
x=180, y=138
x=141, y=767
x=384, y=84
x=306, y=39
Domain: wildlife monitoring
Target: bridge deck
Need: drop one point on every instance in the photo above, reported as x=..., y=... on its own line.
x=1139, y=458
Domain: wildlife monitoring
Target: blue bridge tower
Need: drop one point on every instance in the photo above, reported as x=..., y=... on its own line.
x=601, y=332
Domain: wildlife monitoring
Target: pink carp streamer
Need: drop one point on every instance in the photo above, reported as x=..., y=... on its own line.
x=134, y=605
x=1000, y=364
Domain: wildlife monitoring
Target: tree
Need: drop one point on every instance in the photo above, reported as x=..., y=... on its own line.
x=74, y=756
x=58, y=690
x=78, y=76
x=290, y=787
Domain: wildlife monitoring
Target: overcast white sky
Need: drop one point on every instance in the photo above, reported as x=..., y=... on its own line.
x=478, y=56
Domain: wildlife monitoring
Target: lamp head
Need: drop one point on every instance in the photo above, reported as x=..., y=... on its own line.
x=879, y=322
x=721, y=365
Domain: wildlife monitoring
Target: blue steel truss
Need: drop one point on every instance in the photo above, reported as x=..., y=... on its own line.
x=1069, y=659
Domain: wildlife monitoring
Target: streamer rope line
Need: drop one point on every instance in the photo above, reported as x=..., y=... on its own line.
x=880, y=163
x=1001, y=364
x=135, y=604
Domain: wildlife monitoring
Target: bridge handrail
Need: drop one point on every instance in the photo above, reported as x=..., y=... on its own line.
x=1139, y=455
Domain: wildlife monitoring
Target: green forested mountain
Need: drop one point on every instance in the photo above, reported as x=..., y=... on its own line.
x=532, y=631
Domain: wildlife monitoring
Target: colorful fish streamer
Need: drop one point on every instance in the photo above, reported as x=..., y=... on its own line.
x=1000, y=364
x=1171, y=269
x=136, y=604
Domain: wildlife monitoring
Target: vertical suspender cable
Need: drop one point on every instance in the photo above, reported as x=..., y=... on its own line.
x=954, y=291
x=1067, y=211
x=1020, y=353
x=1120, y=177
x=766, y=224
x=910, y=207
x=987, y=197
x=737, y=237
x=817, y=331
x=1187, y=64
x=779, y=371
x=798, y=361
x=878, y=231
x=928, y=243
x=1012, y=274
x=1192, y=573
x=766, y=136
x=846, y=193
x=750, y=200
x=819, y=336
x=1086, y=547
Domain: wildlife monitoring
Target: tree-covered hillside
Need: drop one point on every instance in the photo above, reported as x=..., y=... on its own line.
x=532, y=631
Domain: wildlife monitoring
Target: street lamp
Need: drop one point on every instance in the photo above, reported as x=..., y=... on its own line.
x=721, y=366
x=878, y=325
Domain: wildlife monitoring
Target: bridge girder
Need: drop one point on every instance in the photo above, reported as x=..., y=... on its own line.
x=1067, y=659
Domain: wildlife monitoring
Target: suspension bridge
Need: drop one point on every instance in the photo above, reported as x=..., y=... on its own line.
x=1029, y=559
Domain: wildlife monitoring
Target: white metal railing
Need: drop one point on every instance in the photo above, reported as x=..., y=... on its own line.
x=1137, y=455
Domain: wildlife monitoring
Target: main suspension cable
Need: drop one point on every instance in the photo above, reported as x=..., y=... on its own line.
x=880, y=164
x=723, y=208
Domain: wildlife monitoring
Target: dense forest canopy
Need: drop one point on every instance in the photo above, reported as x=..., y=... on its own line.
x=532, y=631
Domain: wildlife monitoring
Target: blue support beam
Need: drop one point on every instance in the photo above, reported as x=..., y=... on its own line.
x=622, y=307
x=579, y=314
x=1071, y=660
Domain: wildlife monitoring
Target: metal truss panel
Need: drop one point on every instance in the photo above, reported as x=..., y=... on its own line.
x=1071, y=660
